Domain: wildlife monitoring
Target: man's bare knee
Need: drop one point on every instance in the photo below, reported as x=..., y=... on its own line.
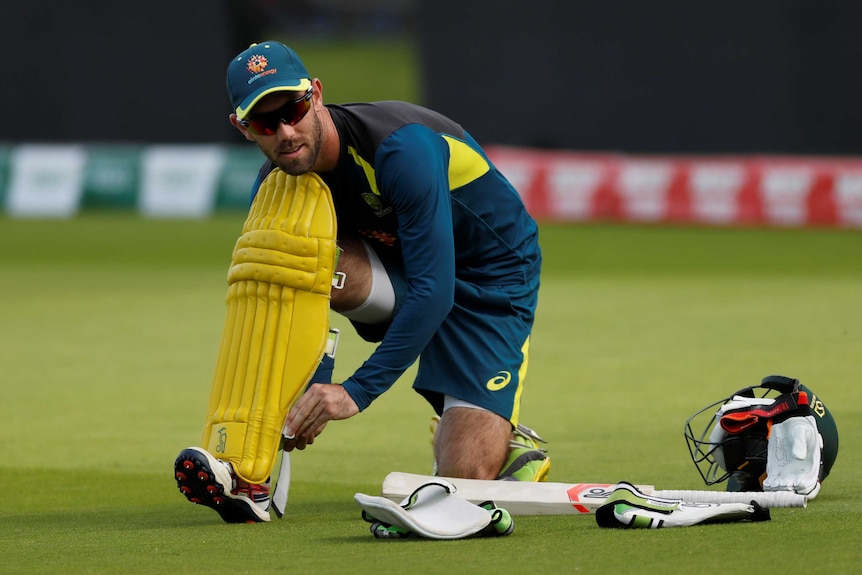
x=353, y=263
x=471, y=443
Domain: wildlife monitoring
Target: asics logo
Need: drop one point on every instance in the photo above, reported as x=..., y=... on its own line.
x=222, y=440
x=499, y=381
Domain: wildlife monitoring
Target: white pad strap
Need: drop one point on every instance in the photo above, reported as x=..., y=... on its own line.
x=434, y=510
x=794, y=456
x=282, y=485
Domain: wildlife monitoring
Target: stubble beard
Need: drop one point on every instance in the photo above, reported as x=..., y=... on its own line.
x=304, y=163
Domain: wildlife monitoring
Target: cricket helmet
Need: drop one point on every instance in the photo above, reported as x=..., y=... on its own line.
x=728, y=439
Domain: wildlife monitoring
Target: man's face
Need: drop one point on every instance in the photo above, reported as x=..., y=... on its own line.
x=293, y=148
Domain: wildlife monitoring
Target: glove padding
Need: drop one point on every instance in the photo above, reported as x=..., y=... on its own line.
x=628, y=508
x=794, y=457
x=434, y=511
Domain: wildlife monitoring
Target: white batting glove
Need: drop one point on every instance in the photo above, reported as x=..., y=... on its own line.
x=793, y=460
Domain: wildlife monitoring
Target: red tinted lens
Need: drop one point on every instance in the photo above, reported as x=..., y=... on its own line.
x=294, y=112
x=291, y=114
x=262, y=126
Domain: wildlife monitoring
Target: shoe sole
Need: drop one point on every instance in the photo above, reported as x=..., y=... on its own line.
x=204, y=481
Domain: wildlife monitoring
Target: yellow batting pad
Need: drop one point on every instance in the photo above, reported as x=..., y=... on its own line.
x=277, y=320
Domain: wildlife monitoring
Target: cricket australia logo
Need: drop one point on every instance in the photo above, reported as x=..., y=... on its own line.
x=222, y=440
x=257, y=64
x=499, y=381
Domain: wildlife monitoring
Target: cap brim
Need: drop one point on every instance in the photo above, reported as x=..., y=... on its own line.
x=246, y=105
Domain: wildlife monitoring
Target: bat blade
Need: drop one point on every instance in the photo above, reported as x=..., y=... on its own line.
x=547, y=498
x=516, y=497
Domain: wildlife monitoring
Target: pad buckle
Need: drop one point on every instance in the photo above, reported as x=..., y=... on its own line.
x=338, y=280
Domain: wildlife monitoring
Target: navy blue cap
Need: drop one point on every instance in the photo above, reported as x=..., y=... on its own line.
x=263, y=69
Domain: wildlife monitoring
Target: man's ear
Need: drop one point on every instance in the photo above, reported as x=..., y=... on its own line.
x=240, y=127
x=318, y=91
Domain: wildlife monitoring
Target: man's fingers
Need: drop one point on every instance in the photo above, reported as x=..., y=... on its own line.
x=320, y=429
x=301, y=441
x=317, y=417
x=321, y=403
x=295, y=421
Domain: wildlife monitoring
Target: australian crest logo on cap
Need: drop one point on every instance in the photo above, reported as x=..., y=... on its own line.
x=257, y=64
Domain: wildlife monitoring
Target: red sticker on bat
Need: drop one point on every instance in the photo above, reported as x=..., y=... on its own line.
x=588, y=493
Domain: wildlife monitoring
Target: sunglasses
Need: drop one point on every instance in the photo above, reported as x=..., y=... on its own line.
x=292, y=113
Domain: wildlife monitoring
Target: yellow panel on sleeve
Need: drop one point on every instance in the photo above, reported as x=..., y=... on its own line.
x=465, y=163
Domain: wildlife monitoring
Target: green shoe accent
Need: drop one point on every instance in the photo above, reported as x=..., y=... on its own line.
x=526, y=464
x=501, y=524
x=382, y=530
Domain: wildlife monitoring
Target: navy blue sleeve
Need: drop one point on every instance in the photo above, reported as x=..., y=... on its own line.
x=412, y=175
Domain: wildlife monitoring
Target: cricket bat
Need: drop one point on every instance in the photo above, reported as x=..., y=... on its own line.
x=547, y=498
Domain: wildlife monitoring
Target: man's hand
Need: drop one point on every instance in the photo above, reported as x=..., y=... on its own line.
x=320, y=403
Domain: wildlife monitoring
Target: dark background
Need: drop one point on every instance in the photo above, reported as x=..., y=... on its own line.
x=776, y=76
x=668, y=76
x=99, y=70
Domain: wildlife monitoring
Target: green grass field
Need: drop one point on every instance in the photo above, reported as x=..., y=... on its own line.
x=110, y=326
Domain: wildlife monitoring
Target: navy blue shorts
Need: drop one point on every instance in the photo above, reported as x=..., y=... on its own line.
x=480, y=352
